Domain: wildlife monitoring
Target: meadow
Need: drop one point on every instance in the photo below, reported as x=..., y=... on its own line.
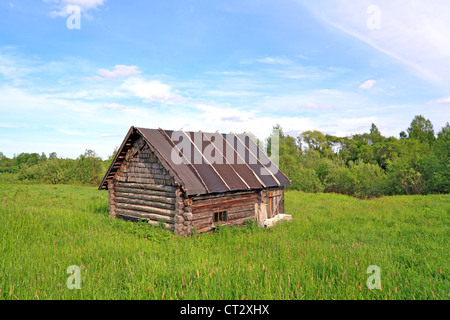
x=323, y=253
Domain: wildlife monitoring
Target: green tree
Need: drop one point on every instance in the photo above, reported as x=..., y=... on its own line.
x=405, y=172
x=374, y=135
x=421, y=129
x=441, y=146
x=349, y=150
x=315, y=140
x=89, y=167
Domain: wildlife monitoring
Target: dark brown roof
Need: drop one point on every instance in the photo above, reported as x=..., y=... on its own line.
x=204, y=163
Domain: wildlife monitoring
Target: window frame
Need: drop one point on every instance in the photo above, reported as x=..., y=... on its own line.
x=220, y=216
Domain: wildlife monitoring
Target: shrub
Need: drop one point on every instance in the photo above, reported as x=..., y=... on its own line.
x=305, y=179
x=363, y=180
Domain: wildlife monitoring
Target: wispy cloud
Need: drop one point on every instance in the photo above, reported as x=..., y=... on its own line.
x=230, y=73
x=274, y=60
x=61, y=6
x=114, y=106
x=109, y=135
x=412, y=33
x=367, y=84
x=232, y=119
x=72, y=132
x=444, y=101
x=118, y=71
x=13, y=69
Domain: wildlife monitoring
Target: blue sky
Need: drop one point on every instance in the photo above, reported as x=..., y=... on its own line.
x=232, y=66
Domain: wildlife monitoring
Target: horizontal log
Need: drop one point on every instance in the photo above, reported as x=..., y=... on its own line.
x=138, y=165
x=202, y=222
x=146, y=153
x=153, y=198
x=201, y=216
x=221, y=195
x=146, y=192
x=145, y=215
x=236, y=207
x=133, y=179
x=147, y=203
x=168, y=226
x=223, y=201
x=205, y=229
x=238, y=222
x=148, y=175
x=242, y=214
x=123, y=176
x=147, y=186
x=120, y=177
x=132, y=167
x=136, y=207
x=145, y=171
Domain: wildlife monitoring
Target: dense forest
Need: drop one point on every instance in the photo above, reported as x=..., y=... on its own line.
x=362, y=165
x=369, y=165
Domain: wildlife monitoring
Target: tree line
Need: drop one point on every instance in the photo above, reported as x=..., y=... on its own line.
x=362, y=165
x=86, y=169
x=369, y=164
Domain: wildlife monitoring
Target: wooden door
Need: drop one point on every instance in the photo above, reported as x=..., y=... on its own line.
x=276, y=203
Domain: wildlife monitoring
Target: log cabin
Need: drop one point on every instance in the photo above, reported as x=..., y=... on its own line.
x=193, y=181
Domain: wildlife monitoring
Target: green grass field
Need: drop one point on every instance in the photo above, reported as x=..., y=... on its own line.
x=323, y=253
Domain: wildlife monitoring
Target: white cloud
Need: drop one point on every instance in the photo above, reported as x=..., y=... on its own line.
x=151, y=91
x=113, y=106
x=367, y=84
x=237, y=93
x=271, y=60
x=61, y=6
x=72, y=132
x=118, y=71
x=445, y=101
x=323, y=99
x=108, y=135
x=315, y=106
x=212, y=113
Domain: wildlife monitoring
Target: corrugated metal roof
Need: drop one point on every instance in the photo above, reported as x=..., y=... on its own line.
x=206, y=162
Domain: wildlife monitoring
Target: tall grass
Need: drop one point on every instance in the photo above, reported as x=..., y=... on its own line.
x=322, y=254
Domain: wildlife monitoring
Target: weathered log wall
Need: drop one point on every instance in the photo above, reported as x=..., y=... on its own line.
x=142, y=166
x=143, y=189
x=240, y=206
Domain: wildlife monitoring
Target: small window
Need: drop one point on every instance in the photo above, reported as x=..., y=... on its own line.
x=220, y=216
